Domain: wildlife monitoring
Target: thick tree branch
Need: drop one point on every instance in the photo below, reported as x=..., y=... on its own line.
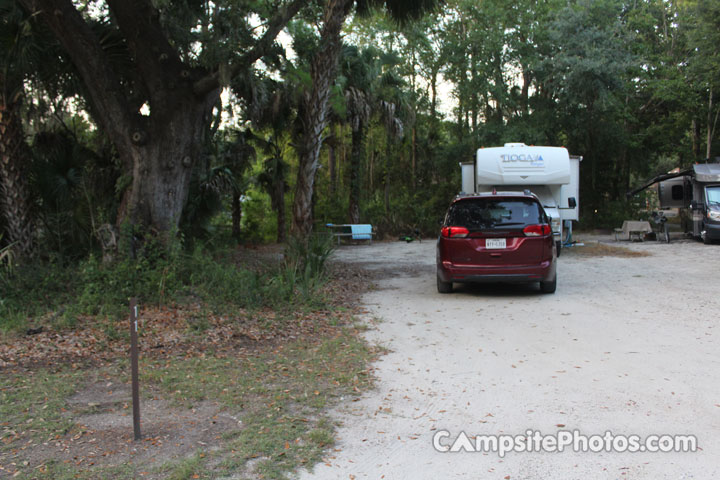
x=84, y=49
x=156, y=60
x=262, y=46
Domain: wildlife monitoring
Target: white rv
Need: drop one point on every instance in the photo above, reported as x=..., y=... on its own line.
x=548, y=172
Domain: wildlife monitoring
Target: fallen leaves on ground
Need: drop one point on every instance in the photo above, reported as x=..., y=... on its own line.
x=188, y=330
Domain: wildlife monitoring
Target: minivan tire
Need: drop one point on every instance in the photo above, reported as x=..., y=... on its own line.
x=444, y=287
x=549, y=287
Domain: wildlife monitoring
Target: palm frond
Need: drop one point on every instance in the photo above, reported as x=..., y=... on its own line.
x=401, y=11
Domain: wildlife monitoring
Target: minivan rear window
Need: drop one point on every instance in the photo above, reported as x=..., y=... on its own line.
x=488, y=213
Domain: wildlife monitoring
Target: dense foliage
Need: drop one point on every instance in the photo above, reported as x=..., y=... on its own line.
x=630, y=86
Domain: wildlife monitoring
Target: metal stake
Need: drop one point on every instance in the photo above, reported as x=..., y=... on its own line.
x=134, y=367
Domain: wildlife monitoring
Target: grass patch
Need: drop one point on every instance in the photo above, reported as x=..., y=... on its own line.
x=192, y=467
x=280, y=397
x=31, y=406
x=33, y=291
x=54, y=470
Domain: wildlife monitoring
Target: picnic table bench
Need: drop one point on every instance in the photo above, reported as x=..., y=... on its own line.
x=352, y=231
x=633, y=228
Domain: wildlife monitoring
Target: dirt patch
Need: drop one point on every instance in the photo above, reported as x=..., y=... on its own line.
x=599, y=249
x=258, y=257
x=388, y=259
x=103, y=436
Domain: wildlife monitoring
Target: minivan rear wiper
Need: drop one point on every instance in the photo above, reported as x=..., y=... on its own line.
x=507, y=223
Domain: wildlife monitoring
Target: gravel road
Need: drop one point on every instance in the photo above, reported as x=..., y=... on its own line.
x=627, y=345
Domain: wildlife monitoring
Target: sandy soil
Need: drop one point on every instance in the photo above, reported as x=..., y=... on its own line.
x=627, y=344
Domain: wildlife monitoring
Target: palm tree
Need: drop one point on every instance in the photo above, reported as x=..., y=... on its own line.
x=323, y=68
x=372, y=87
x=360, y=72
x=15, y=205
x=272, y=109
x=273, y=178
x=395, y=113
x=71, y=182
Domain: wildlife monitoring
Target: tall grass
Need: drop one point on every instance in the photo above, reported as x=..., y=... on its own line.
x=159, y=275
x=303, y=271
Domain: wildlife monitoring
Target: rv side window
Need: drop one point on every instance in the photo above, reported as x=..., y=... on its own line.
x=677, y=192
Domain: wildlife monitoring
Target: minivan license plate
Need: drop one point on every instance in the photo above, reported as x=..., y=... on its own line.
x=494, y=243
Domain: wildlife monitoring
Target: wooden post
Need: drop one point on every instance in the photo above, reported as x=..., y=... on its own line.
x=134, y=367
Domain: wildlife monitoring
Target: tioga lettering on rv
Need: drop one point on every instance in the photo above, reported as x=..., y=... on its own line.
x=521, y=157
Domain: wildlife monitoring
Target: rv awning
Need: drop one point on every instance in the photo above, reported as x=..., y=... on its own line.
x=707, y=172
x=659, y=178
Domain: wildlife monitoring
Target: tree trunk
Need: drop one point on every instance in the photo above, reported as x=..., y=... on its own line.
x=341, y=162
x=461, y=108
x=371, y=172
x=14, y=193
x=387, y=191
x=236, y=215
x=162, y=165
x=414, y=158
x=281, y=213
x=708, y=146
x=387, y=178
x=332, y=170
x=695, y=139
x=313, y=117
x=593, y=161
x=619, y=182
x=525, y=90
x=433, y=96
x=474, y=95
x=356, y=157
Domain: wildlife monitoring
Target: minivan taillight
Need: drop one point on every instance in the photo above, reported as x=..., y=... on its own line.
x=454, y=232
x=537, y=230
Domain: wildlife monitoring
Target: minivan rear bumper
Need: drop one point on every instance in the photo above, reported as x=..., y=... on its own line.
x=449, y=272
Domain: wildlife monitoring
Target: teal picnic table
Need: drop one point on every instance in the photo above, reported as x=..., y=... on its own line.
x=352, y=231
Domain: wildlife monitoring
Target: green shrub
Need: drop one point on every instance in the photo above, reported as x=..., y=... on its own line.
x=35, y=289
x=258, y=224
x=220, y=281
x=159, y=274
x=299, y=278
x=309, y=255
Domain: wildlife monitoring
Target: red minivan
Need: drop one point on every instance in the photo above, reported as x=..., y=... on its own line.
x=496, y=237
